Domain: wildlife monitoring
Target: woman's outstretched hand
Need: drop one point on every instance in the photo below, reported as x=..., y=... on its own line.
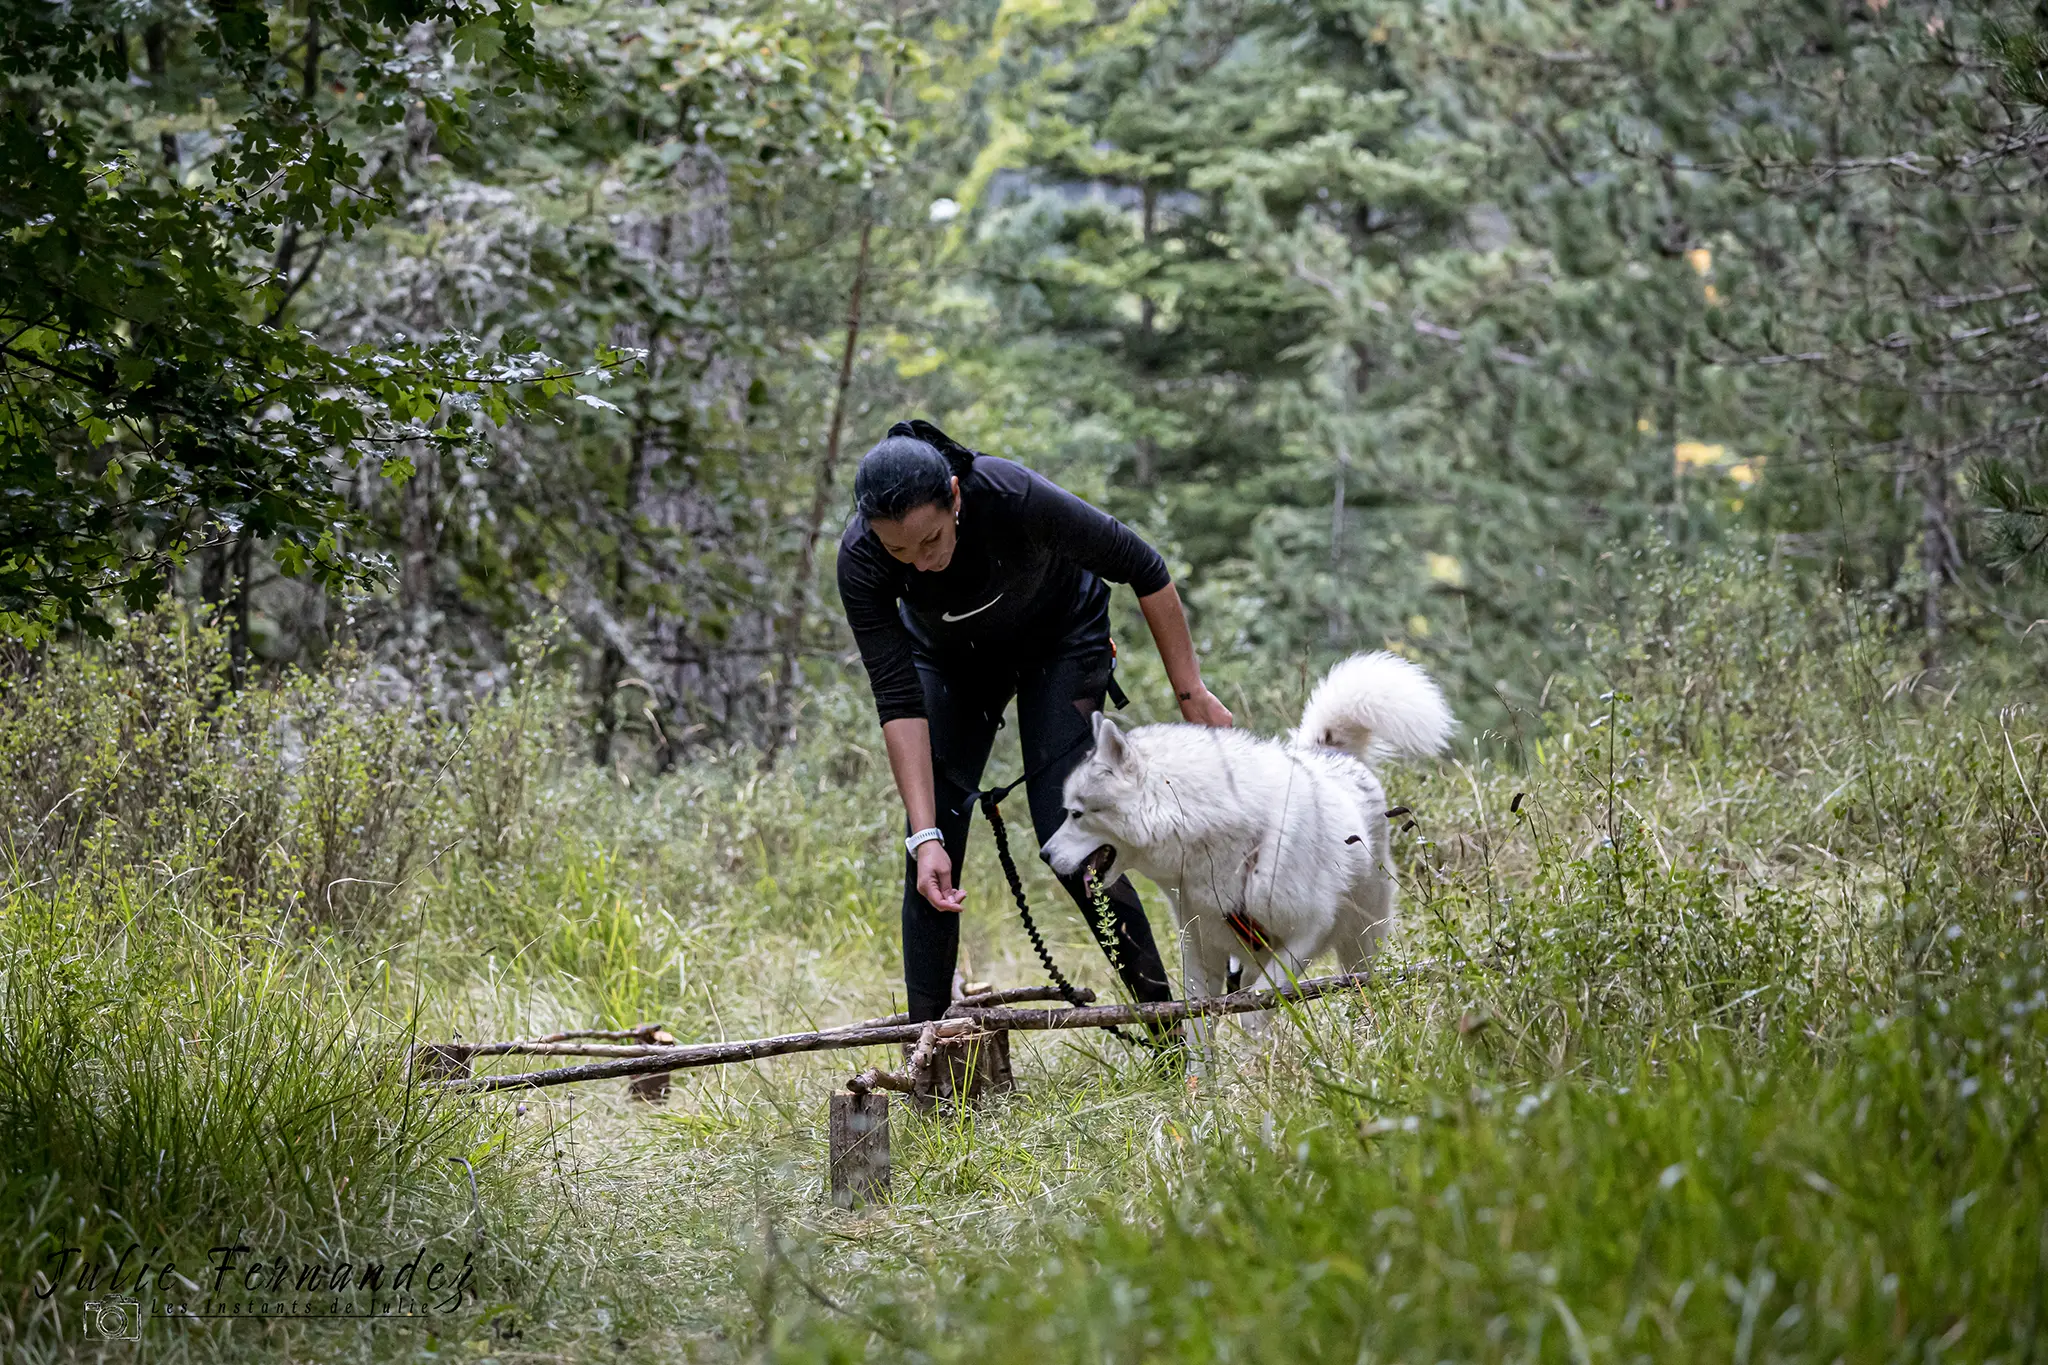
x=1202, y=708
x=935, y=878
x=1169, y=626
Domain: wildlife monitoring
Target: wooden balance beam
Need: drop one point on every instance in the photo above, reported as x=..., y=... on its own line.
x=962, y=1056
x=962, y=1020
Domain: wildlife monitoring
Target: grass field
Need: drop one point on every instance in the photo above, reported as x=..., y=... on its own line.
x=1715, y=1028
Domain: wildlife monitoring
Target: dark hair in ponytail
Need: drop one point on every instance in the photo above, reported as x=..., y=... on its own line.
x=912, y=467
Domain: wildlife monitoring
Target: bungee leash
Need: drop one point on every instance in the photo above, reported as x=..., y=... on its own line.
x=990, y=801
x=991, y=806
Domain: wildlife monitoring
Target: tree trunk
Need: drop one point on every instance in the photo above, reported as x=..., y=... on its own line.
x=684, y=553
x=1146, y=467
x=238, y=619
x=1937, y=551
x=309, y=86
x=1353, y=365
x=821, y=496
x=1339, y=618
x=416, y=539
x=156, y=47
x=214, y=565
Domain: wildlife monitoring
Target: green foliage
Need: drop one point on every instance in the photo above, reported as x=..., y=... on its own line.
x=2019, y=515
x=1390, y=321
x=194, y=1045
x=1398, y=320
x=156, y=398
x=1664, y=376
x=699, y=194
x=314, y=801
x=168, y=1084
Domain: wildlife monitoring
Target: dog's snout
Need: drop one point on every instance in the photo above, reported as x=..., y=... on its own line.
x=1044, y=857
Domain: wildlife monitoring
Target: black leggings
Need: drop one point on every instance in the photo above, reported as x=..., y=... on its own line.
x=1056, y=696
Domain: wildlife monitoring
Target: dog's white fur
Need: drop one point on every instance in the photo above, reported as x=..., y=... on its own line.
x=1289, y=834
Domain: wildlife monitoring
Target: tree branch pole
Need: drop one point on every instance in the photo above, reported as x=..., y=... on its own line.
x=959, y=1024
x=1166, y=1011
x=1015, y=995
x=650, y=1039
x=915, y=1073
x=713, y=1054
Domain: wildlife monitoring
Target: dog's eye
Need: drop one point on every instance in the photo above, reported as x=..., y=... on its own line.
x=1075, y=812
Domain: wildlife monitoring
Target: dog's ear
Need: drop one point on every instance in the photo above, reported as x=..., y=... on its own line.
x=1110, y=746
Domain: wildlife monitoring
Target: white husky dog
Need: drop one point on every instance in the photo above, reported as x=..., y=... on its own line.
x=1270, y=851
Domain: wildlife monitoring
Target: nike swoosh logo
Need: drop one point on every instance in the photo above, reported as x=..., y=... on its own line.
x=949, y=616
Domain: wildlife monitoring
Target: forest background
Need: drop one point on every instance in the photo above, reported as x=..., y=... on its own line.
x=1391, y=324
x=423, y=429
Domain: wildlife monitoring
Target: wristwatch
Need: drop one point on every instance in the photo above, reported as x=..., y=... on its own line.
x=923, y=836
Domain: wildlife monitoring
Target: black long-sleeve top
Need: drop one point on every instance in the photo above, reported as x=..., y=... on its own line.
x=1031, y=561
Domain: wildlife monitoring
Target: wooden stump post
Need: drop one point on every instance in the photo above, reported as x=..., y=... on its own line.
x=992, y=1063
x=653, y=1089
x=967, y=1068
x=439, y=1061
x=857, y=1160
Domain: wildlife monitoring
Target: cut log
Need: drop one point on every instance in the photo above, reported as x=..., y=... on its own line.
x=857, y=1156
x=994, y=1060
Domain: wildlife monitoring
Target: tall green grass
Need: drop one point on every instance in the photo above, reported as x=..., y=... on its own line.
x=1723, y=1037
x=1712, y=1026
x=1720, y=1203
x=199, y=1043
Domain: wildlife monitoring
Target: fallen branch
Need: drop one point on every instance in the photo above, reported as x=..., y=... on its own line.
x=653, y=1039
x=714, y=1054
x=648, y=1038
x=917, y=1072
x=1166, y=1011
x=521, y=1047
x=962, y=1020
x=639, y=1033
x=1015, y=995
x=875, y=1078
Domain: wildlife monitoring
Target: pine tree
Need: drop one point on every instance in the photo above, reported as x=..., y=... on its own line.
x=1424, y=311
x=1858, y=189
x=1265, y=259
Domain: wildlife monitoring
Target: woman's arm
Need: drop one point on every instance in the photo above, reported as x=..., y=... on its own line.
x=1169, y=625
x=869, y=595
x=909, y=741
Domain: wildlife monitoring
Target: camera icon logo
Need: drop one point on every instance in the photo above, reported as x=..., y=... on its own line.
x=113, y=1319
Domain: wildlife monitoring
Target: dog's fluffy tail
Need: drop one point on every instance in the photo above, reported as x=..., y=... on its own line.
x=1376, y=705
